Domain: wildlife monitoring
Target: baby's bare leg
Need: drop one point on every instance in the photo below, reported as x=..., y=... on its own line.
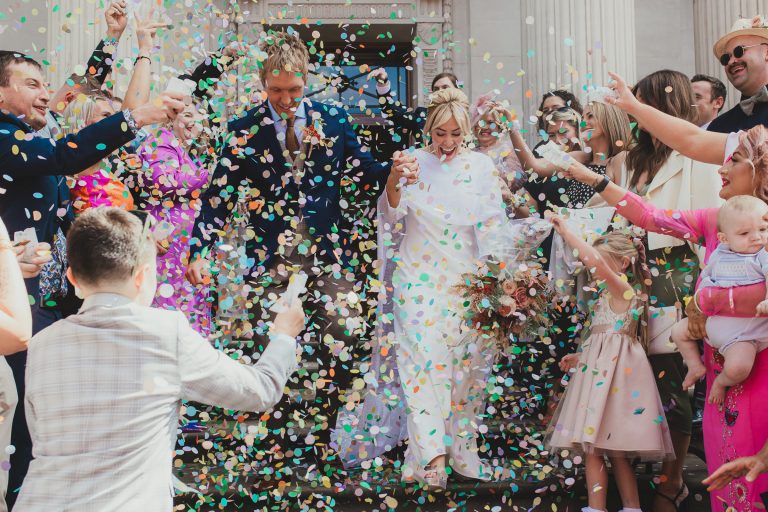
x=689, y=349
x=739, y=359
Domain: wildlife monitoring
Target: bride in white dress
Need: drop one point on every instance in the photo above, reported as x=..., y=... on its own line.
x=444, y=217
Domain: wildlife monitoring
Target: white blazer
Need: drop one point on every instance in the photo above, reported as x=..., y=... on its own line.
x=682, y=184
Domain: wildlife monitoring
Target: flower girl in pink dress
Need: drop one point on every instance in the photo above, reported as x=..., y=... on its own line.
x=611, y=406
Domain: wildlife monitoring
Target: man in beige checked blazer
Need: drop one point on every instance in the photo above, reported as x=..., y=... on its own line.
x=104, y=386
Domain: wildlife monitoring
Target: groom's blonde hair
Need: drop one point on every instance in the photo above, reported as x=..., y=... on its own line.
x=285, y=52
x=446, y=104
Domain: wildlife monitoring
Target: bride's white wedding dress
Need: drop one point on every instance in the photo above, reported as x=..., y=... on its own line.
x=446, y=215
x=443, y=227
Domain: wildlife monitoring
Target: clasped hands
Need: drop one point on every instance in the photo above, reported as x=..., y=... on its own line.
x=405, y=169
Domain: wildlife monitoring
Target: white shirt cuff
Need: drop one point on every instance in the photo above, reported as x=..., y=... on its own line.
x=383, y=89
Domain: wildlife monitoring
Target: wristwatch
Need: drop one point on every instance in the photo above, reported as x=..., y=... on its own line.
x=603, y=183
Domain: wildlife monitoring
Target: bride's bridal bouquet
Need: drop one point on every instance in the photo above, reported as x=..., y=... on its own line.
x=507, y=297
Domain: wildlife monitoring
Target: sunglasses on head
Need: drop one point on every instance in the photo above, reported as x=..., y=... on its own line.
x=738, y=52
x=558, y=109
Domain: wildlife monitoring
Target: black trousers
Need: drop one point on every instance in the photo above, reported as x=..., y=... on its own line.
x=329, y=344
x=20, y=459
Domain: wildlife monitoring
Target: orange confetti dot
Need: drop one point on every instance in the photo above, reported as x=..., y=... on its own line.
x=72, y=145
x=529, y=93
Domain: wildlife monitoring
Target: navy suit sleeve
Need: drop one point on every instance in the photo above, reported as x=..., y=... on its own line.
x=100, y=63
x=217, y=199
x=23, y=154
x=399, y=114
x=373, y=173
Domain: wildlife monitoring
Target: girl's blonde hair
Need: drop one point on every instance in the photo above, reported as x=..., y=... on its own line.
x=445, y=105
x=755, y=144
x=79, y=113
x=615, y=125
x=619, y=245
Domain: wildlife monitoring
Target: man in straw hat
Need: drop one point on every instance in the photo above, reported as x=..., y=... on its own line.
x=744, y=53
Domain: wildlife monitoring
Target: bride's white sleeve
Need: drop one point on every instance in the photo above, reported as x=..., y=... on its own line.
x=389, y=213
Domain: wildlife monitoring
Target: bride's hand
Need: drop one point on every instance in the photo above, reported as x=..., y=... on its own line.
x=405, y=169
x=625, y=100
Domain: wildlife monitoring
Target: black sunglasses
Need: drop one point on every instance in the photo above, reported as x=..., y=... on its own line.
x=738, y=52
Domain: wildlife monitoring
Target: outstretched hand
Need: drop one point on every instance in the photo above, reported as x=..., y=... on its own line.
x=625, y=100
x=749, y=466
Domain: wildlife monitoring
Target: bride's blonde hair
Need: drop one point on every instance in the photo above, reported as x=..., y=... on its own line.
x=444, y=105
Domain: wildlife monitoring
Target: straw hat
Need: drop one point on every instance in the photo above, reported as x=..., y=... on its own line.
x=757, y=26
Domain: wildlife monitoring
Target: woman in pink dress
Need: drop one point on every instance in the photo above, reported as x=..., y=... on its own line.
x=170, y=186
x=740, y=426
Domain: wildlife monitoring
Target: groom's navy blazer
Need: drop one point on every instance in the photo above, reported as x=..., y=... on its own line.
x=252, y=163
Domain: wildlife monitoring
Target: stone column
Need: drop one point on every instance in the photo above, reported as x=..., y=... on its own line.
x=574, y=43
x=74, y=28
x=712, y=19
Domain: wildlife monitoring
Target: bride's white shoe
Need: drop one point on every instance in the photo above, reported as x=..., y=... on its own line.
x=435, y=479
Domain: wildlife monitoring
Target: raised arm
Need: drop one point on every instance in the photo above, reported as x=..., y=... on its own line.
x=696, y=226
x=685, y=137
x=37, y=156
x=591, y=258
x=399, y=114
x=538, y=165
x=15, y=315
x=141, y=78
x=210, y=70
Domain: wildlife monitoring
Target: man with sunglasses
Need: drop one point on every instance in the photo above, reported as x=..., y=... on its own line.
x=743, y=52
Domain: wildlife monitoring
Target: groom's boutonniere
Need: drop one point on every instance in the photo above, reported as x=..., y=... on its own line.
x=313, y=133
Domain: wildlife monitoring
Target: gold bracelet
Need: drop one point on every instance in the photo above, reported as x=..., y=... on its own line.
x=6, y=244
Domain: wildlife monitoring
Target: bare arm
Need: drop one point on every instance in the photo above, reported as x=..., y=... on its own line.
x=612, y=193
x=538, y=165
x=593, y=260
x=680, y=135
x=138, y=88
x=15, y=315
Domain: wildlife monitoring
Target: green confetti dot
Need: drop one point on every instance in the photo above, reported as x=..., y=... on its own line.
x=101, y=146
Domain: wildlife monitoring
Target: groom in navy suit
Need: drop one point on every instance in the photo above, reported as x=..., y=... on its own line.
x=291, y=158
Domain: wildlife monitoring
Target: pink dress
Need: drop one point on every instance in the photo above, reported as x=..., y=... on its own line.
x=173, y=182
x=611, y=404
x=740, y=428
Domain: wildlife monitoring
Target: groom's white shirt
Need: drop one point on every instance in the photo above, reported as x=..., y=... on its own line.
x=104, y=389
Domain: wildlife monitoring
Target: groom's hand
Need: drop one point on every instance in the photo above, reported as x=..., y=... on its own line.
x=196, y=270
